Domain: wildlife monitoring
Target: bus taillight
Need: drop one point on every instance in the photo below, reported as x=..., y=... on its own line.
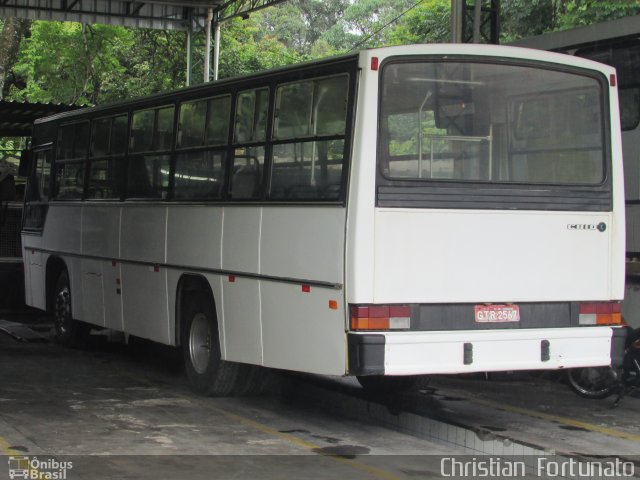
x=600, y=313
x=380, y=317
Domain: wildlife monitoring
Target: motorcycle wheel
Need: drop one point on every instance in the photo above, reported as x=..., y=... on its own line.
x=593, y=382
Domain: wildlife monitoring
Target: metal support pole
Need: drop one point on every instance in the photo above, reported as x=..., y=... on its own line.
x=189, y=54
x=216, y=47
x=457, y=12
x=207, y=46
x=477, y=21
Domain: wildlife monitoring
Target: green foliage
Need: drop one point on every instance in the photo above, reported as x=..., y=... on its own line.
x=573, y=13
x=72, y=63
x=524, y=18
x=429, y=22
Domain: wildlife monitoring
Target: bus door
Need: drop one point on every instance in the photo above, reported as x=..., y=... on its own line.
x=35, y=214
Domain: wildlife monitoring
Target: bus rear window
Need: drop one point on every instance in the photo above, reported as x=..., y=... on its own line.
x=497, y=123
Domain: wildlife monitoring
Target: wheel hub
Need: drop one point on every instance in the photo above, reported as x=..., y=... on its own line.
x=200, y=343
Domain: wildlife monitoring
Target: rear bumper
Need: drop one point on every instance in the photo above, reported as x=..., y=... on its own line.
x=467, y=351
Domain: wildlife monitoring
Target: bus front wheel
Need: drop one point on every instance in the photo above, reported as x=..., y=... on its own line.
x=207, y=372
x=68, y=332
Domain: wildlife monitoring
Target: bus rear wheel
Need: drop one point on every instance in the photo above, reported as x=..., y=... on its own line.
x=68, y=332
x=207, y=372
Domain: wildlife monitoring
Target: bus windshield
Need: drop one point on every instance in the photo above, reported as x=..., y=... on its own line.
x=491, y=122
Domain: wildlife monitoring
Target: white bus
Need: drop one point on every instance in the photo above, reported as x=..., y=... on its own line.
x=398, y=212
x=615, y=43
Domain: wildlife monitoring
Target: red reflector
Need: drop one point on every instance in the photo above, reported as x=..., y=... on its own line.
x=232, y=278
x=374, y=63
x=396, y=311
x=306, y=288
x=156, y=268
x=378, y=312
x=612, y=80
x=600, y=308
x=359, y=312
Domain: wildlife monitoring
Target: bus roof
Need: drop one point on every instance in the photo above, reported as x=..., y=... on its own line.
x=364, y=56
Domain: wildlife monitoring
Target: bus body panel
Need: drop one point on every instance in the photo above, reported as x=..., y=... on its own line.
x=194, y=235
x=34, y=262
x=305, y=243
x=242, y=319
x=301, y=331
x=111, y=290
x=100, y=238
x=487, y=256
x=144, y=287
x=63, y=229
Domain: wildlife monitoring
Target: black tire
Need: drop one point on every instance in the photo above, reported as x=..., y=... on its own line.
x=389, y=384
x=68, y=332
x=208, y=374
x=252, y=380
x=594, y=383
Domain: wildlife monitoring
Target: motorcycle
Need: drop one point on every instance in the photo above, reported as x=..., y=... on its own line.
x=601, y=382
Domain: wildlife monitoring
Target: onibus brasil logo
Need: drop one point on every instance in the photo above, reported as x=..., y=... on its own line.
x=34, y=469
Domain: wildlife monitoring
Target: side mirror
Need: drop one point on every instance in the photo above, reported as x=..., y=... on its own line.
x=26, y=159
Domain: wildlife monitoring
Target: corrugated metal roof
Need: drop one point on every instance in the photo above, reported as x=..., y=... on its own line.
x=157, y=14
x=16, y=118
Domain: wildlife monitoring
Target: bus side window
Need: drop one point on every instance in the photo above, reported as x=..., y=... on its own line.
x=219, y=111
x=70, y=161
x=39, y=190
x=108, y=146
x=311, y=167
x=250, y=129
x=191, y=124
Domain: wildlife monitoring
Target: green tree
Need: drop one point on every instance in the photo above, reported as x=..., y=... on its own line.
x=12, y=31
x=574, y=13
x=428, y=22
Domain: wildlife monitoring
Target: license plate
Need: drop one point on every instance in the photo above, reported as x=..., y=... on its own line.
x=497, y=313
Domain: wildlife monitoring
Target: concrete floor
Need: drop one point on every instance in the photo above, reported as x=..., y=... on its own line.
x=119, y=412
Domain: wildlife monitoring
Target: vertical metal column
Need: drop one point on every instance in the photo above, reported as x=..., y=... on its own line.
x=457, y=20
x=216, y=47
x=189, y=16
x=189, y=54
x=207, y=46
x=477, y=20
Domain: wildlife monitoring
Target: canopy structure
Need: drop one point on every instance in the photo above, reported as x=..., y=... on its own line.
x=16, y=118
x=187, y=15
x=157, y=14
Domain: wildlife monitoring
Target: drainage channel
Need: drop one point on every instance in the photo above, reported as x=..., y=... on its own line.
x=479, y=427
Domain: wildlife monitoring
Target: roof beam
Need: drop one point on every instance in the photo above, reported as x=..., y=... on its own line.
x=68, y=5
x=243, y=8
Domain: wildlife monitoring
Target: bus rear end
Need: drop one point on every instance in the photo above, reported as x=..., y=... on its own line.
x=486, y=224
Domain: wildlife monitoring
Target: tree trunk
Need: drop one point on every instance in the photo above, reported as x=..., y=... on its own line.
x=12, y=33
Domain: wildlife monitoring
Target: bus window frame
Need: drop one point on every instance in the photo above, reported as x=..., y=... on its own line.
x=477, y=195
x=54, y=186
x=346, y=66
x=604, y=103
